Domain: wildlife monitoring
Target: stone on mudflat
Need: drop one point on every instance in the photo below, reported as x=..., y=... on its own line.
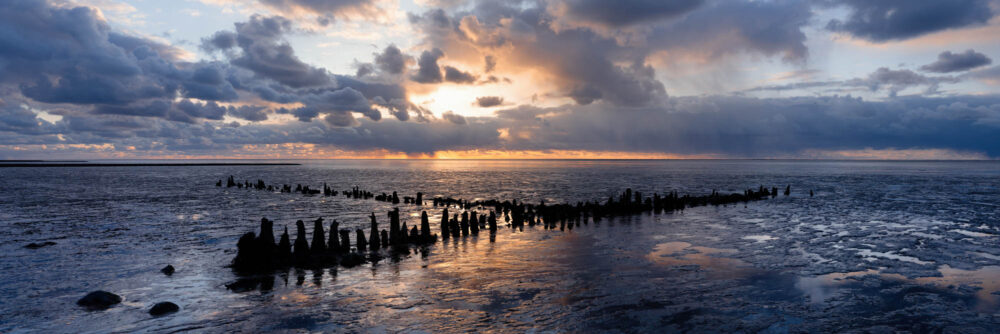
x=99, y=300
x=163, y=308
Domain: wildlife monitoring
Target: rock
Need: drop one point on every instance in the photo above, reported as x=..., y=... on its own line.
x=99, y=300
x=168, y=270
x=39, y=245
x=163, y=308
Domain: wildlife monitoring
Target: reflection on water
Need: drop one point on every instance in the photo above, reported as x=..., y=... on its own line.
x=986, y=281
x=906, y=241
x=679, y=253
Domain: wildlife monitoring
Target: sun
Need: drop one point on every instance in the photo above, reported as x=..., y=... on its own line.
x=460, y=99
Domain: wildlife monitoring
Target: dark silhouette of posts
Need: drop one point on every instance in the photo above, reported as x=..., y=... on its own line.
x=493, y=222
x=375, y=242
x=474, y=224
x=394, y=227
x=444, y=224
x=345, y=241
x=334, y=244
x=362, y=243
x=318, y=242
x=265, y=240
x=454, y=227
x=425, y=225
x=301, y=248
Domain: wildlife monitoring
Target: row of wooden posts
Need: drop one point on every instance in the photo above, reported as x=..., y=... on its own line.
x=260, y=252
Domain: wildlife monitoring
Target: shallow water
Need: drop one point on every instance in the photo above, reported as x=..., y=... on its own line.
x=903, y=245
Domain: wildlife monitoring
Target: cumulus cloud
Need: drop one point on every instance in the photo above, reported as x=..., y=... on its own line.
x=587, y=65
x=102, y=88
x=886, y=20
x=265, y=53
x=455, y=75
x=948, y=62
x=428, y=70
x=489, y=101
x=391, y=60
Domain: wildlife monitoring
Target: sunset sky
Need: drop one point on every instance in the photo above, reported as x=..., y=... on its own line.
x=897, y=79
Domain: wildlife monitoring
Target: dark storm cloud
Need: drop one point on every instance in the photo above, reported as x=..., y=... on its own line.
x=752, y=127
x=16, y=118
x=428, y=70
x=249, y=113
x=69, y=55
x=391, y=60
x=455, y=75
x=489, y=101
x=730, y=126
x=622, y=13
x=886, y=20
x=341, y=101
x=948, y=62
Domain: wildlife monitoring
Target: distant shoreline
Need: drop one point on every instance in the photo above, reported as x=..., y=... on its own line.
x=193, y=164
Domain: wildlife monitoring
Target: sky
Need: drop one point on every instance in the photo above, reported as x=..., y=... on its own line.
x=315, y=79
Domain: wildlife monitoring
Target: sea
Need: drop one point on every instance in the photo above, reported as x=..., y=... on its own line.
x=877, y=246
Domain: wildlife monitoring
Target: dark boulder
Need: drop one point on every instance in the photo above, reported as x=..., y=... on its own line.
x=99, y=300
x=163, y=308
x=168, y=270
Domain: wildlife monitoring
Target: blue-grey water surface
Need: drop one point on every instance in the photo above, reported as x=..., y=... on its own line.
x=881, y=246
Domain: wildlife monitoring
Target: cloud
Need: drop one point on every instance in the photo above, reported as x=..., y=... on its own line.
x=957, y=62
x=989, y=75
x=489, y=101
x=428, y=70
x=68, y=56
x=587, y=64
x=265, y=53
x=893, y=81
x=453, y=117
x=898, y=80
x=886, y=20
x=391, y=60
x=724, y=28
x=623, y=13
x=455, y=75
x=327, y=11
x=751, y=127
x=491, y=63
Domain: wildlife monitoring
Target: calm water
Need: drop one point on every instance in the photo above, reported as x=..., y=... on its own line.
x=882, y=245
